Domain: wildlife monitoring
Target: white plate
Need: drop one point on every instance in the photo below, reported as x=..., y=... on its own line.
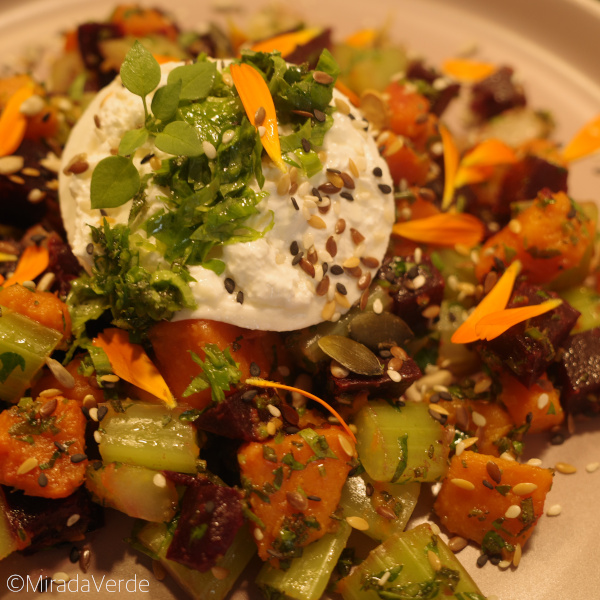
x=553, y=46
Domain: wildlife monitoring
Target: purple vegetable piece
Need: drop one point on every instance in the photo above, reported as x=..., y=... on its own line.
x=311, y=51
x=210, y=517
x=379, y=384
x=578, y=372
x=413, y=287
x=45, y=520
x=495, y=94
x=440, y=99
x=89, y=36
x=529, y=348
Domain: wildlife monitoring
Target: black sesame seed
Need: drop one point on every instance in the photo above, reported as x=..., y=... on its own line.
x=254, y=369
x=295, y=203
x=313, y=498
x=292, y=429
x=240, y=297
x=45, y=117
x=529, y=418
x=499, y=264
x=336, y=270
x=347, y=196
x=77, y=458
x=297, y=258
x=557, y=439
x=97, y=465
x=38, y=238
x=319, y=115
x=446, y=396
x=86, y=412
x=385, y=353
x=74, y=554
x=294, y=249
x=482, y=560
x=412, y=272
x=103, y=212
x=352, y=117
x=495, y=560
x=305, y=145
x=435, y=398
x=102, y=410
x=60, y=447
x=386, y=189
x=229, y=285
x=315, y=192
x=42, y=480
x=571, y=214
x=370, y=489
x=147, y=158
x=487, y=484
x=249, y=395
x=341, y=288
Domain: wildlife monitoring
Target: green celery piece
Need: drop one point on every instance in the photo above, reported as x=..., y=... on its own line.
x=405, y=556
x=156, y=538
x=450, y=262
x=132, y=490
x=459, y=358
x=400, y=444
x=29, y=341
x=308, y=575
x=587, y=302
x=9, y=542
x=149, y=435
x=400, y=498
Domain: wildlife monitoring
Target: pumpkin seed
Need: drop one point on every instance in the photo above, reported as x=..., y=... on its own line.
x=375, y=331
x=355, y=356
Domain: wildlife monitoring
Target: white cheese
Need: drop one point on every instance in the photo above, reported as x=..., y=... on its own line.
x=277, y=296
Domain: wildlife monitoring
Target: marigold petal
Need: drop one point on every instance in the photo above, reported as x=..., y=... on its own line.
x=496, y=300
x=364, y=38
x=442, y=229
x=470, y=175
x=33, y=262
x=451, y=160
x=468, y=70
x=286, y=43
x=489, y=152
x=350, y=94
x=131, y=363
x=256, y=381
x=585, y=142
x=254, y=94
x=13, y=122
x=495, y=324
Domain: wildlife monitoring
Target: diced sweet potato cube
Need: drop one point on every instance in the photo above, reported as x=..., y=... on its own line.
x=274, y=472
x=541, y=400
x=480, y=489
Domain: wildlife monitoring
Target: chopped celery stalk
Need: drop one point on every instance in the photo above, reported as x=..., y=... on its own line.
x=149, y=435
x=450, y=262
x=24, y=347
x=405, y=563
x=308, y=575
x=136, y=491
x=587, y=302
x=9, y=541
x=386, y=510
x=155, y=537
x=400, y=444
x=458, y=358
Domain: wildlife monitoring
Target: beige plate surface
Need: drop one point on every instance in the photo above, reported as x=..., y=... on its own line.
x=554, y=45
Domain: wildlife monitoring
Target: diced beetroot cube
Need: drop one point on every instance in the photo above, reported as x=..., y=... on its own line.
x=578, y=372
x=413, y=287
x=210, y=517
x=528, y=348
x=496, y=93
x=440, y=99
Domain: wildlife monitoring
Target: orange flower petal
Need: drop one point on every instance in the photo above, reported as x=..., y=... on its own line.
x=287, y=42
x=443, y=229
x=585, y=142
x=254, y=94
x=493, y=325
x=471, y=175
x=468, y=70
x=350, y=94
x=12, y=122
x=256, y=381
x=451, y=159
x=131, y=363
x=488, y=153
x=33, y=262
x=496, y=300
x=161, y=59
x=365, y=38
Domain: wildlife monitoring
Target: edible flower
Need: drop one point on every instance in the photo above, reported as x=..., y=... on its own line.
x=131, y=363
x=451, y=160
x=468, y=70
x=33, y=262
x=443, y=229
x=13, y=122
x=585, y=142
x=257, y=100
x=286, y=43
x=265, y=383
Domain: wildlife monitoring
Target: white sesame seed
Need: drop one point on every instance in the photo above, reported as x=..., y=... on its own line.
x=93, y=412
x=515, y=226
x=97, y=436
x=478, y=419
x=503, y=564
x=507, y=456
x=11, y=164
x=357, y=523
x=262, y=130
x=377, y=306
x=565, y=468
x=346, y=445
x=463, y=484
x=384, y=578
x=258, y=534
x=271, y=428
x=219, y=573
x=46, y=282
x=72, y=520
x=30, y=285
x=273, y=410
x=36, y=195
x=27, y=465
x=209, y=150
x=554, y=510
x=61, y=577
x=592, y=467
x=159, y=480
x=535, y=462
x=32, y=106
x=460, y=447
x=228, y=136
x=434, y=560
x=434, y=527
x=337, y=370
x=513, y=511
x=62, y=375
x=517, y=555
x=542, y=400
x=418, y=282
x=394, y=375
x=524, y=489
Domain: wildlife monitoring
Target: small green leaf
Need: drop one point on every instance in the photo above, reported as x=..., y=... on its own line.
x=114, y=181
x=132, y=140
x=140, y=72
x=196, y=79
x=166, y=100
x=179, y=138
x=10, y=361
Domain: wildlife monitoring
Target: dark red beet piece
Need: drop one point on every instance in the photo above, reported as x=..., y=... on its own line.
x=89, y=36
x=311, y=51
x=210, y=517
x=495, y=94
x=528, y=348
x=440, y=99
x=578, y=372
x=410, y=293
x=45, y=520
x=380, y=384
